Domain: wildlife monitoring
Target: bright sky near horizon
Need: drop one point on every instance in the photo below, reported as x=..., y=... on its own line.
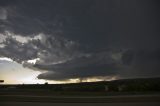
x=14, y=73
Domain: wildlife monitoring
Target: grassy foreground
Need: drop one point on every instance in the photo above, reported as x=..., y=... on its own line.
x=127, y=90
x=31, y=95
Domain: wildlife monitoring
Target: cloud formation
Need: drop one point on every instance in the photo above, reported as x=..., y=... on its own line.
x=3, y=14
x=82, y=38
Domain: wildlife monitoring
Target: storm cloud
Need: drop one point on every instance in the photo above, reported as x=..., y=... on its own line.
x=66, y=39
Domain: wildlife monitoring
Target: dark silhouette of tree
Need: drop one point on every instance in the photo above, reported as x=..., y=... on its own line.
x=46, y=83
x=1, y=81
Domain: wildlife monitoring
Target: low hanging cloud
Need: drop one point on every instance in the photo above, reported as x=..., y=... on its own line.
x=82, y=38
x=83, y=67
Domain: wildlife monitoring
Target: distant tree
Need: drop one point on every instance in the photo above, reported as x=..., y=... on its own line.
x=46, y=83
x=1, y=81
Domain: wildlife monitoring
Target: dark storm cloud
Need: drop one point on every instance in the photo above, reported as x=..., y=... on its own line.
x=148, y=62
x=17, y=51
x=128, y=57
x=98, y=64
x=82, y=38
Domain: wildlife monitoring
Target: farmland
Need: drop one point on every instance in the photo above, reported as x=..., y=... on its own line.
x=126, y=90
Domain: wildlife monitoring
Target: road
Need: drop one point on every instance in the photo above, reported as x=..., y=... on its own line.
x=26, y=100
x=77, y=104
x=76, y=99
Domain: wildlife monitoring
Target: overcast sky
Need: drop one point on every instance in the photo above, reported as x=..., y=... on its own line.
x=70, y=39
